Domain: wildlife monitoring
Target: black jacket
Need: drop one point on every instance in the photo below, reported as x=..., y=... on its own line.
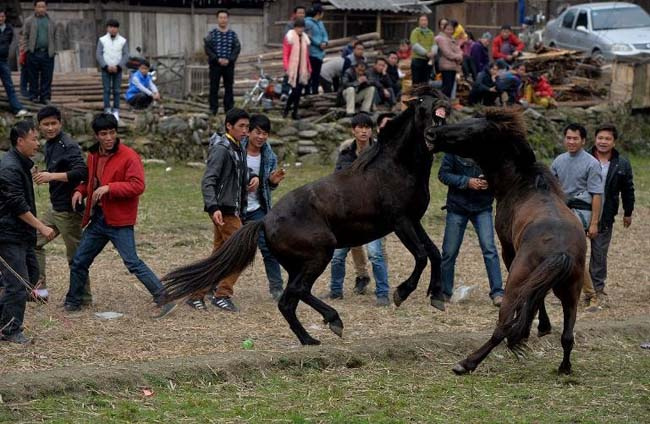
x=480, y=92
x=16, y=198
x=348, y=154
x=62, y=154
x=6, y=37
x=226, y=177
x=618, y=181
x=455, y=172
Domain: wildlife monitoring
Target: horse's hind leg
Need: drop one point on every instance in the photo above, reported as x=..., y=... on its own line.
x=570, y=309
x=544, y=325
x=330, y=315
x=435, y=284
x=408, y=236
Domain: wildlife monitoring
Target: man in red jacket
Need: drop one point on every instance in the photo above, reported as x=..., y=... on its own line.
x=114, y=185
x=506, y=45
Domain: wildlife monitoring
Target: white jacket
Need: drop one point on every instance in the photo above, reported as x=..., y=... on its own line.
x=112, y=51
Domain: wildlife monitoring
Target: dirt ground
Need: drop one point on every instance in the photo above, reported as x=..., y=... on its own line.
x=82, y=339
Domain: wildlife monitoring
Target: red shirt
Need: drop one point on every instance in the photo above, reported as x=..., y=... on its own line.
x=123, y=172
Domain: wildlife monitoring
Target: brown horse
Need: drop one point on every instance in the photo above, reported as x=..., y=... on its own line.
x=385, y=190
x=543, y=244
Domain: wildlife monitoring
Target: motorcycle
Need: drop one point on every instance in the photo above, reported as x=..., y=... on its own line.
x=264, y=90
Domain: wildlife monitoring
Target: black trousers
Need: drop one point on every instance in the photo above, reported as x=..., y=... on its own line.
x=314, y=79
x=448, y=78
x=330, y=87
x=21, y=258
x=40, y=69
x=217, y=72
x=420, y=71
x=294, y=99
x=140, y=101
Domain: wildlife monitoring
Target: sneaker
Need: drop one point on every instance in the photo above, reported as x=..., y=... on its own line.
x=496, y=301
x=603, y=299
x=335, y=296
x=116, y=114
x=383, y=301
x=17, y=337
x=592, y=306
x=360, y=285
x=224, y=303
x=198, y=304
x=276, y=294
x=69, y=307
x=21, y=113
x=165, y=310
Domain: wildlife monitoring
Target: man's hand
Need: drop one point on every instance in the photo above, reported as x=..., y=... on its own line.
x=253, y=184
x=76, y=199
x=277, y=176
x=493, y=89
x=99, y=193
x=323, y=45
x=156, y=96
x=224, y=62
x=592, y=232
x=430, y=55
x=217, y=218
x=386, y=93
x=43, y=177
x=509, y=58
x=477, y=184
x=627, y=221
x=363, y=79
x=47, y=232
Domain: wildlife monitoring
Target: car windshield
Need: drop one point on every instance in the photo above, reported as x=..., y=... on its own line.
x=619, y=18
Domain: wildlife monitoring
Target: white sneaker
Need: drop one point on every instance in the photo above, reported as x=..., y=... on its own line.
x=107, y=110
x=21, y=113
x=116, y=114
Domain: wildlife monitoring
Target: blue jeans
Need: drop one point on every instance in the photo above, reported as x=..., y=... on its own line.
x=454, y=232
x=111, y=83
x=93, y=240
x=5, y=76
x=271, y=265
x=379, y=268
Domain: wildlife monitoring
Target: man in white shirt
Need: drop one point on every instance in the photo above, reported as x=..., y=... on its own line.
x=112, y=54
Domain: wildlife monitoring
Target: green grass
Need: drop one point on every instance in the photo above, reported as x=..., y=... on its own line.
x=609, y=386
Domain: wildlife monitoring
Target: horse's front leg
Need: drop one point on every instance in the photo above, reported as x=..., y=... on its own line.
x=407, y=234
x=435, y=284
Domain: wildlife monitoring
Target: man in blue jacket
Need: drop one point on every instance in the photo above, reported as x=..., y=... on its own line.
x=18, y=227
x=262, y=162
x=142, y=91
x=468, y=199
x=222, y=47
x=319, y=40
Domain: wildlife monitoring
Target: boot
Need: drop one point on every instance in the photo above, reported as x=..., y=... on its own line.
x=592, y=305
x=603, y=299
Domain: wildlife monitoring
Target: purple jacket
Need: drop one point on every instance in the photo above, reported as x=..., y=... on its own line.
x=480, y=56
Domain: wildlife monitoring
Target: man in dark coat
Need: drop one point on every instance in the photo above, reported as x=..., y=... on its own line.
x=18, y=226
x=222, y=47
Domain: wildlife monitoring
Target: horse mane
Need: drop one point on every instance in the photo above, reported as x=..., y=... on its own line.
x=511, y=129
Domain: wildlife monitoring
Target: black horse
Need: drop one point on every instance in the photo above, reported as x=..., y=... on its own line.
x=543, y=243
x=385, y=190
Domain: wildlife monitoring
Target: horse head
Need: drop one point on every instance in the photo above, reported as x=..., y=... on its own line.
x=491, y=138
x=427, y=108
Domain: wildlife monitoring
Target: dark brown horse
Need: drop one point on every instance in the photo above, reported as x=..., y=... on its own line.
x=543, y=243
x=386, y=189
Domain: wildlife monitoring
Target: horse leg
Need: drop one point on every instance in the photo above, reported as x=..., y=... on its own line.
x=544, y=325
x=408, y=236
x=435, y=284
x=330, y=315
x=570, y=309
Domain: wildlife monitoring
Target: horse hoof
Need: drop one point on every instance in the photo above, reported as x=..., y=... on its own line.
x=397, y=299
x=310, y=342
x=564, y=370
x=458, y=369
x=542, y=333
x=438, y=304
x=337, y=327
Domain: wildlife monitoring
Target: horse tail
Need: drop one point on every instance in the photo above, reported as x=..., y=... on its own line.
x=232, y=257
x=553, y=271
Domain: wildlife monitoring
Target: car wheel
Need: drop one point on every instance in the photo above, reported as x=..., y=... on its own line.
x=552, y=45
x=597, y=57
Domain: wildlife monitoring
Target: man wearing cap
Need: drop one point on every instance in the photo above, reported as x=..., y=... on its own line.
x=506, y=45
x=480, y=53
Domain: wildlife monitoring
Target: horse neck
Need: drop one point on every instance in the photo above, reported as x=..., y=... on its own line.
x=409, y=152
x=502, y=176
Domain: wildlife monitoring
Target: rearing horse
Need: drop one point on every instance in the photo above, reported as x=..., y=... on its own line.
x=543, y=243
x=385, y=190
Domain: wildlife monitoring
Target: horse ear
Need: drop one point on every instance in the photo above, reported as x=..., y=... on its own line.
x=524, y=154
x=410, y=102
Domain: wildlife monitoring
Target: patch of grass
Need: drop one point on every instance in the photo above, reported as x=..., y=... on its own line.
x=609, y=386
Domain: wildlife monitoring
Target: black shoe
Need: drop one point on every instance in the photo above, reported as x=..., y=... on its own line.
x=335, y=296
x=360, y=285
x=17, y=337
x=224, y=303
x=295, y=116
x=198, y=304
x=69, y=307
x=165, y=310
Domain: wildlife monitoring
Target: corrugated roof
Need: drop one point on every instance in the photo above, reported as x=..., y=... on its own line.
x=381, y=5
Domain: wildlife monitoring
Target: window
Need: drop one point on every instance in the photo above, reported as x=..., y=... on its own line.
x=582, y=19
x=619, y=17
x=567, y=20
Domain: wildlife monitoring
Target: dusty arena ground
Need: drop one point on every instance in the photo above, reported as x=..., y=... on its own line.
x=173, y=230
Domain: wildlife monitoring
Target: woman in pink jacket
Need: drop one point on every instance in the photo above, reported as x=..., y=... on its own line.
x=295, y=57
x=450, y=55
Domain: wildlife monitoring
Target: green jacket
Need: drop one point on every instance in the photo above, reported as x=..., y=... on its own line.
x=421, y=42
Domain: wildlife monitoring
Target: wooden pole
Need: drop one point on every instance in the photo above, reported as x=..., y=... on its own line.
x=378, y=29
